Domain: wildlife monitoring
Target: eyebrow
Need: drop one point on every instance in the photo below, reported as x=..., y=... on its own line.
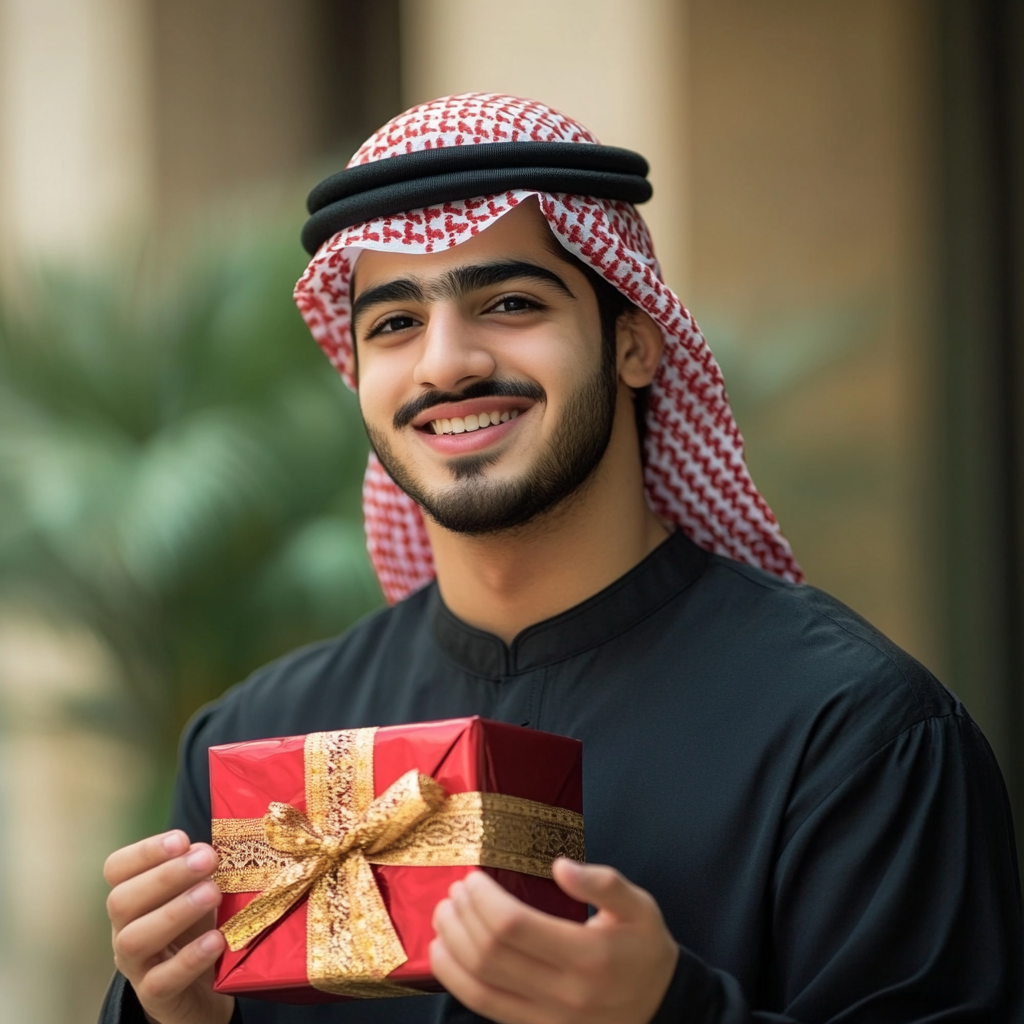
x=455, y=284
x=403, y=289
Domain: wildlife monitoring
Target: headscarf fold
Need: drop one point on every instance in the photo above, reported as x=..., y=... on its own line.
x=694, y=471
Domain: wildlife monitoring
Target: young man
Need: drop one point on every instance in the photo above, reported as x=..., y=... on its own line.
x=788, y=818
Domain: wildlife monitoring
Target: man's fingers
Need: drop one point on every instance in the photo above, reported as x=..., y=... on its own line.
x=603, y=887
x=139, y=941
x=166, y=981
x=161, y=906
x=512, y=963
x=511, y=922
x=484, y=956
x=483, y=999
x=144, y=892
x=141, y=856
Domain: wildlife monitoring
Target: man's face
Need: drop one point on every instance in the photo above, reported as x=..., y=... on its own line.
x=481, y=376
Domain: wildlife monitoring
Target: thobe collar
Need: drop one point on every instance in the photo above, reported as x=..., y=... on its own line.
x=666, y=571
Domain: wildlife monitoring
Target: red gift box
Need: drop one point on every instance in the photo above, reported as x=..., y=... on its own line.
x=383, y=821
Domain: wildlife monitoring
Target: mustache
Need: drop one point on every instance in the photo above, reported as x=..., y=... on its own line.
x=481, y=389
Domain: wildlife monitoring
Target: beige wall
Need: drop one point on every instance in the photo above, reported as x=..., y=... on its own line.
x=76, y=154
x=76, y=184
x=812, y=210
x=65, y=792
x=116, y=115
x=234, y=98
x=619, y=66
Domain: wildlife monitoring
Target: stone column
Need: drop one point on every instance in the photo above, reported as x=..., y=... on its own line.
x=75, y=140
x=619, y=66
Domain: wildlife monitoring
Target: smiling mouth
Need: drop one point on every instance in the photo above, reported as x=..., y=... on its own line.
x=467, y=424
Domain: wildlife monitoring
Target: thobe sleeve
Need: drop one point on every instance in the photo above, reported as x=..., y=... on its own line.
x=895, y=900
x=120, y=1006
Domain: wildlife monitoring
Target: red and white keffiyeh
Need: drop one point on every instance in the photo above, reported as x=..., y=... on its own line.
x=695, y=474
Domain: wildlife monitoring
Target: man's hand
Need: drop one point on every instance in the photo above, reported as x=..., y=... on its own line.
x=161, y=907
x=516, y=965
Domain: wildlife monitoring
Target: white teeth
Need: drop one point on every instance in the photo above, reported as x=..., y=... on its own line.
x=463, y=424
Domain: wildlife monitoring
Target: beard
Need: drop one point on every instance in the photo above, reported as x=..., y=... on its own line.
x=477, y=506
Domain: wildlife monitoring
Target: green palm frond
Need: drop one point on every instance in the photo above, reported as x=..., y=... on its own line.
x=180, y=469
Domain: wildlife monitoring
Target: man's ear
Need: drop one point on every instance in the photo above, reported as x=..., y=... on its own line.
x=639, y=342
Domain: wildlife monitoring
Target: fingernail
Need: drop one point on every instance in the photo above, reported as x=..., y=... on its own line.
x=204, y=895
x=211, y=942
x=199, y=860
x=174, y=842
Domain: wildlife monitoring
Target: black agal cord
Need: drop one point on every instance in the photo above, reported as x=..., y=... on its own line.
x=435, y=176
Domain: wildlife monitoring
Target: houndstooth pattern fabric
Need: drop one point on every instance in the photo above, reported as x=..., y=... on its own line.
x=695, y=474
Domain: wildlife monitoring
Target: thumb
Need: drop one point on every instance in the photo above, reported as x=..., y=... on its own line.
x=601, y=886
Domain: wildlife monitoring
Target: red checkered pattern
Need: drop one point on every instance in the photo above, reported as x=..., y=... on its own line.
x=695, y=474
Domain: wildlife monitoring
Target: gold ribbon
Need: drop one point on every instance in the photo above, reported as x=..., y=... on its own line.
x=351, y=943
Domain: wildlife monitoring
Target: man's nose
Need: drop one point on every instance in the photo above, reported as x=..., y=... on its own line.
x=453, y=354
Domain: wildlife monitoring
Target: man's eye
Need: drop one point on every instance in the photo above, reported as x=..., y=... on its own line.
x=392, y=324
x=514, y=304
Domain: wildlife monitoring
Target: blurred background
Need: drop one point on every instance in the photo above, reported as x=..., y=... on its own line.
x=838, y=199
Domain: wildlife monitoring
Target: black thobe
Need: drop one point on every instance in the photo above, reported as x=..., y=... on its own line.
x=822, y=824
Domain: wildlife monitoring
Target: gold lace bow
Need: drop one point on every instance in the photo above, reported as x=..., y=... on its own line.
x=352, y=944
